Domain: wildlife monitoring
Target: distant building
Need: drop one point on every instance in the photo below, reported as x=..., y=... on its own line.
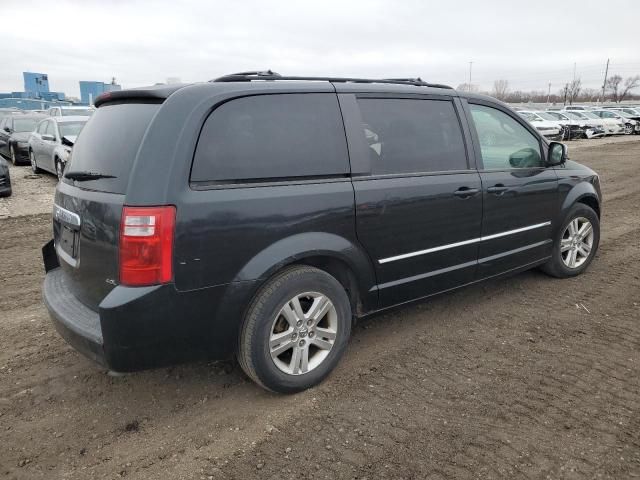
x=89, y=90
x=35, y=84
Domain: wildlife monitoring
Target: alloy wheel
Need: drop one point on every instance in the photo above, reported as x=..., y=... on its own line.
x=577, y=242
x=34, y=166
x=628, y=129
x=14, y=160
x=303, y=333
x=59, y=170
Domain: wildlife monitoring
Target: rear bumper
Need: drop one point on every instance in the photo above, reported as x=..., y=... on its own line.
x=148, y=327
x=77, y=324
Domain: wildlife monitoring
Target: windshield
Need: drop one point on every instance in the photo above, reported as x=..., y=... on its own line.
x=82, y=112
x=24, y=125
x=69, y=129
x=625, y=114
x=591, y=115
x=528, y=116
x=557, y=116
x=573, y=115
x=546, y=116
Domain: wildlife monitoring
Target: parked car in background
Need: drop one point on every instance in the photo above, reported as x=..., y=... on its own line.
x=577, y=107
x=546, y=127
x=5, y=178
x=51, y=142
x=14, y=136
x=610, y=126
x=592, y=127
x=357, y=197
x=630, y=125
x=70, y=111
x=635, y=116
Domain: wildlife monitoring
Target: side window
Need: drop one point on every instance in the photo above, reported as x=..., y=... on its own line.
x=504, y=143
x=42, y=128
x=272, y=137
x=412, y=136
x=51, y=129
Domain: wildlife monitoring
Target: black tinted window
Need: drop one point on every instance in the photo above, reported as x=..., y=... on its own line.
x=410, y=136
x=272, y=137
x=109, y=142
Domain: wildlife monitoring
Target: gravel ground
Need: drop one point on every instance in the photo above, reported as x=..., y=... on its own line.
x=526, y=377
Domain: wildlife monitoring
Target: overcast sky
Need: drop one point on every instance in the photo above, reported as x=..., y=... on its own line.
x=140, y=42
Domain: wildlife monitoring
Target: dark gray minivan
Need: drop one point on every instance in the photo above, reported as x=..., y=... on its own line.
x=258, y=215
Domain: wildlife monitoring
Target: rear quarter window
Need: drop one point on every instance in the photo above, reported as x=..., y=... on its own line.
x=109, y=143
x=272, y=137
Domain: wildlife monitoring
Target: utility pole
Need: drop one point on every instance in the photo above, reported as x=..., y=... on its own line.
x=549, y=95
x=470, y=66
x=604, y=84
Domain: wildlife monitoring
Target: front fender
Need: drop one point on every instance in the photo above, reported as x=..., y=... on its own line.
x=577, y=193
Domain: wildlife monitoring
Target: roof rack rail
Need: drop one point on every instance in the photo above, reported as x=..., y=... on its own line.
x=270, y=75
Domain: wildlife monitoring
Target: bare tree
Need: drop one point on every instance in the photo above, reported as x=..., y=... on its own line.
x=500, y=89
x=629, y=84
x=613, y=85
x=589, y=95
x=573, y=90
x=465, y=87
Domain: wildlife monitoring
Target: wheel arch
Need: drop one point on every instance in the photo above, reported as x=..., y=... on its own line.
x=585, y=193
x=334, y=254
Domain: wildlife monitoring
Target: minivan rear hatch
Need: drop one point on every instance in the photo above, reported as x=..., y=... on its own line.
x=90, y=197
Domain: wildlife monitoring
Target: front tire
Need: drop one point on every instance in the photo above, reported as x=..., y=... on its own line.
x=14, y=157
x=575, y=244
x=59, y=168
x=295, y=330
x=628, y=129
x=34, y=165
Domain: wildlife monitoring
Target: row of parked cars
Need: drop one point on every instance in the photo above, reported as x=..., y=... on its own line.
x=576, y=121
x=43, y=139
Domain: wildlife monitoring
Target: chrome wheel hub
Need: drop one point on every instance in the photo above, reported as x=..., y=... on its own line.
x=303, y=333
x=577, y=242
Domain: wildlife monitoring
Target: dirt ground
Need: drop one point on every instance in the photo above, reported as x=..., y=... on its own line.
x=527, y=377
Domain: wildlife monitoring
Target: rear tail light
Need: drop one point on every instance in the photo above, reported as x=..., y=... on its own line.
x=146, y=245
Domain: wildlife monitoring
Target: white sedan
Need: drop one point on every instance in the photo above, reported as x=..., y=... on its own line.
x=629, y=125
x=545, y=127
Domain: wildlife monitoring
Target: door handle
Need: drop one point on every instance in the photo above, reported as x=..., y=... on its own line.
x=465, y=192
x=497, y=189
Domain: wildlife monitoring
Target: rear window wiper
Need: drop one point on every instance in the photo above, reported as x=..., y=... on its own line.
x=85, y=176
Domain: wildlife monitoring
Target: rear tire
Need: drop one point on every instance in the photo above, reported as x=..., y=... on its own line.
x=575, y=244
x=295, y=330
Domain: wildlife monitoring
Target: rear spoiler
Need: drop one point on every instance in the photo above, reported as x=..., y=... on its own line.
x=156, y=94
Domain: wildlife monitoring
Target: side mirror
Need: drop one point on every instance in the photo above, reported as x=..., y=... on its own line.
x=557, y=154
x=48, y=138
x=7, y=129
x=525, y=158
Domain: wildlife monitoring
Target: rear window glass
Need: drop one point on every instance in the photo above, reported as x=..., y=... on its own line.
x=271, y=137
x=412, y=136
x=108, y=144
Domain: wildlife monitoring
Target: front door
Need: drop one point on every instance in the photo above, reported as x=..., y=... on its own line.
x=520, y=195
x=419, y=204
